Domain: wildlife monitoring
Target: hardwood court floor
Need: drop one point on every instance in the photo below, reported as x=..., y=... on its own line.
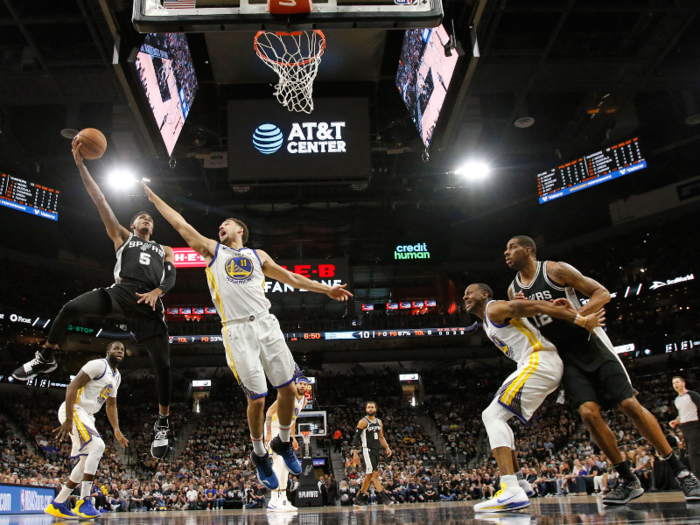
x=660, y=508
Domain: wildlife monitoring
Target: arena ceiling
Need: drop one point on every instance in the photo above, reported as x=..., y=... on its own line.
x=590, y=72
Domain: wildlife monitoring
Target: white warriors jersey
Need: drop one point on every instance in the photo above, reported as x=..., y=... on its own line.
x=299, y=403
x=517, y=338
x=237, y=283
x=104, y=383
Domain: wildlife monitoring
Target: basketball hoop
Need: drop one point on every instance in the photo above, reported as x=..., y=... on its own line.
x=306, y=435
x=295, y=58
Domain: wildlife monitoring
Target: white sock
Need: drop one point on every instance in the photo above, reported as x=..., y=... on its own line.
x=85, y=489
x=285, y=433
x=258, y=446
x=63, y=495
x=511, y=482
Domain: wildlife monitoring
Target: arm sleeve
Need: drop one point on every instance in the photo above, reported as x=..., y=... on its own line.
x=695, y=397
x=356, y=438
x=169, y=278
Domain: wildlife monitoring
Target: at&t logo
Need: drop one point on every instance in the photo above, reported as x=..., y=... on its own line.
x=268, y=138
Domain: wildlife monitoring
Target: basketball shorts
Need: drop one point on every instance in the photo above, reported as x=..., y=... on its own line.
x=145, y=322
x=370, y=459
x=83, y=433
x=255, y=348
x=525, y=389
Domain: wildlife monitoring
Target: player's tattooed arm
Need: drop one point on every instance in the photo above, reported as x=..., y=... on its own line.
x=111, y=409
x=202, y=245
x=274, y=271
x=81, y=380
x=500, y=311
x=567, y=275
x=116, y=231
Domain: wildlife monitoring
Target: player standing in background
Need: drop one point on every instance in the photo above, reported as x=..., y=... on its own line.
x=538, y=375
x=279, y=502
x=253, y=340
x=688, y=403
x=144, y=272
x=594, y=376
x=96, y=383
x=370, y=432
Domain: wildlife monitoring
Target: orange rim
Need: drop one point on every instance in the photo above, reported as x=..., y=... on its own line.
x=293, y=33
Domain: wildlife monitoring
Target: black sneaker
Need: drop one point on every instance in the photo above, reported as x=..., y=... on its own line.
x=33, y=368
x=284, y=449
x=690, y=485
x=626, y=491
x=263, y=467
x=386, y=499
x=161, y=445
x=361, y=500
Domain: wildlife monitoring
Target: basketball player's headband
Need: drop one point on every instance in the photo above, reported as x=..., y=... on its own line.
x=302, y=379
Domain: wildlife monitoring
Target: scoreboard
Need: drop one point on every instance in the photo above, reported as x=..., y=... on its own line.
x=589, y=170
x=343, y=336
x=28, y=197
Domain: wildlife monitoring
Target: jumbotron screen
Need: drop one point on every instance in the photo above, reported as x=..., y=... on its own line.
x=164, y=66
x=590, y=170
x=424, y=76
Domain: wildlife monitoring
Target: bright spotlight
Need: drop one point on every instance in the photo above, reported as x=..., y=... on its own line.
x=473, y=170
x=122, y=179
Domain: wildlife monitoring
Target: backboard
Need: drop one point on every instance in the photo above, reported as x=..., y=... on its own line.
x=187, y=16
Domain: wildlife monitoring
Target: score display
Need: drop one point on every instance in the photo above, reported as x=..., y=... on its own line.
x=589, y=170
x=28, y=197
x=342, y=336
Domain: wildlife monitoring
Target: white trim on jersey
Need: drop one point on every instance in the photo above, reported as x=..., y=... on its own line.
x=368, y=460
x=118, y=264
x=537, y=273
x=550, y=283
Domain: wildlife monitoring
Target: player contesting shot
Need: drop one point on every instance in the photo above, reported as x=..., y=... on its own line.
x=144, y=272
x=594, y=376
x=538, y=375
x=253, y=339
x=370, y=433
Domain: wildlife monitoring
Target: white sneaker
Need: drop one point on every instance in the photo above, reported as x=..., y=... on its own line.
x=284, y=506
x=272, y=504
x=527, y=488
x=504, y=500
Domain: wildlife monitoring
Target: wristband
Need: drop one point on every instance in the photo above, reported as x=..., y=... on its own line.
x=580, y=320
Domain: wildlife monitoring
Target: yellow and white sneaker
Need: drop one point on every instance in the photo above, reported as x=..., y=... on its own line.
x=504, y=500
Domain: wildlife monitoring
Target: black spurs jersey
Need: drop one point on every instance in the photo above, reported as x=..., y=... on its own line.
x=370, y=434
x=575, y=344
x=140, y=262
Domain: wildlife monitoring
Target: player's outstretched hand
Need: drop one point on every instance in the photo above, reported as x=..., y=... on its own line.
x=339, y=293
x=355, y=458
x=149, y=192
x=122, y=440
x=520, y=296
x=63, y=432
x=150, y=298
x=563, y=303
x=76, y=150
x=595, y=320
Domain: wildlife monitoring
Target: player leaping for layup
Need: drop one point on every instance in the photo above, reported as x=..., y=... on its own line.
x=538, y=375
x=278, y=501
x=254, y=342
x=143, y=273
x=594, y=376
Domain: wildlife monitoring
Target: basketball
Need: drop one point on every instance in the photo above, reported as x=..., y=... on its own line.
x=93, y=143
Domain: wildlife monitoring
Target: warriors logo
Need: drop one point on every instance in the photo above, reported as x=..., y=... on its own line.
x=239, y=269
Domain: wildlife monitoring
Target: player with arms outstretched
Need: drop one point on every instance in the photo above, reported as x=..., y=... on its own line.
x=370, y=433
x=538, y=375
x=279, y=502
x=144, y=272
x=594, y=376
x=253, y=340
x=95, y=385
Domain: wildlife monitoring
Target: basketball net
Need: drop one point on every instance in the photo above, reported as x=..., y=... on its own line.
x=307, y=442
x=295, y=58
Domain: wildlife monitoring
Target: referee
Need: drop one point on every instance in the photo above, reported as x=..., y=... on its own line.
x=687, y=404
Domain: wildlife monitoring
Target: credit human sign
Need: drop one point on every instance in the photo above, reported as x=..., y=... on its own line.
x=412, y=251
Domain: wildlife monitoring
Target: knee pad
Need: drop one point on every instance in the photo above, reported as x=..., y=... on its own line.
x=500, y=434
